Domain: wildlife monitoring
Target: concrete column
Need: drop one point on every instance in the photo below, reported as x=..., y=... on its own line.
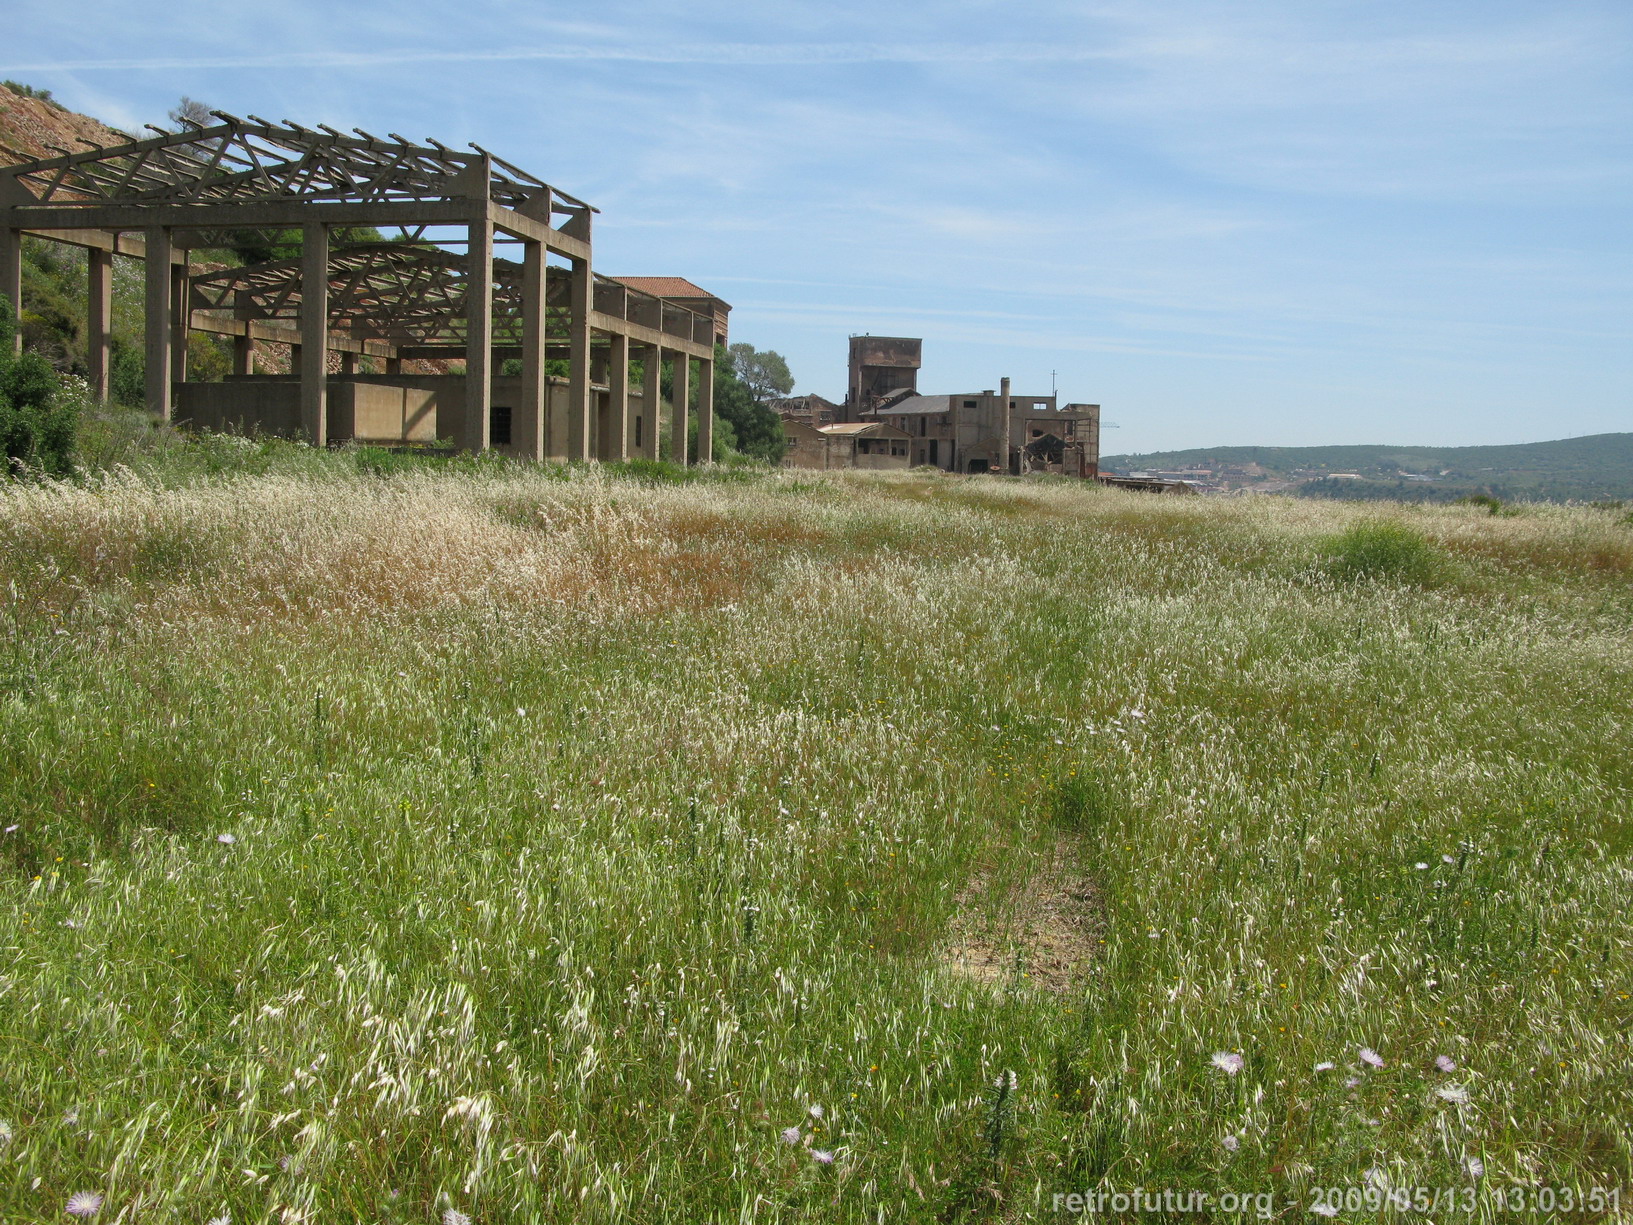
x=681, y=400
x=478, y=335
x=705, y=411
x=99, y=320
x=181, y=316
x=616, y=445
x=651, y=393
x=11, y=276
x=578, y=390
x=1003, y=425
x=243, y=355
x=314, y=346
x=156, y=322
x=348, y=364
x=394, y=365
x=535, y=403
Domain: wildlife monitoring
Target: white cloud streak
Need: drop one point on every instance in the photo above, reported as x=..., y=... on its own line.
x=745, y=54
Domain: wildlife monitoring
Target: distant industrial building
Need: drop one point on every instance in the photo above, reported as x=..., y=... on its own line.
x=965, y=432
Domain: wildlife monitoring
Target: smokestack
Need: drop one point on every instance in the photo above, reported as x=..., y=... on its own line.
x=1003, y=425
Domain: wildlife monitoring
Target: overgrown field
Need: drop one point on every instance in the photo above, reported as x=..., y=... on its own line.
x=387, y=843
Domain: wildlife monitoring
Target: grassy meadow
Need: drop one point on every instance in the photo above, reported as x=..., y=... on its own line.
x=401, y=842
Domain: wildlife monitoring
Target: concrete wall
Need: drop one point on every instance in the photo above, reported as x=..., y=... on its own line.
x=396, y=408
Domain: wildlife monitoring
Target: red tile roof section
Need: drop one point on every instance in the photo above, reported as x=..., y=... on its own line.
x=665, y=286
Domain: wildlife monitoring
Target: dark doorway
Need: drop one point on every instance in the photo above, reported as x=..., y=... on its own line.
x=499, y=425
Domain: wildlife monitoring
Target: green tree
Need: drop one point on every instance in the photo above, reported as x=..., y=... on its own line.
x=763, y=372
x=37, y=426
x=756, y=429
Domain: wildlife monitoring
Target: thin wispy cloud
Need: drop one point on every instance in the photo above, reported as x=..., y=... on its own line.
x=748, y=54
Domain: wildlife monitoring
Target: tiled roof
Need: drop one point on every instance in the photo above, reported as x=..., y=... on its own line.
x=667, y=287
x=915, y=405
x=855, y=428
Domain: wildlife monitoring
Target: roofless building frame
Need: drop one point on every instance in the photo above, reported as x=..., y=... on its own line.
x=440, y=292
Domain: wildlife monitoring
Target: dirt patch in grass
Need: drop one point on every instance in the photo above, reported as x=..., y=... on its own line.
x=1044, y=933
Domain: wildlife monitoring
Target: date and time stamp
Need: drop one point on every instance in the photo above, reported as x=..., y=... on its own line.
x=1537, y=1203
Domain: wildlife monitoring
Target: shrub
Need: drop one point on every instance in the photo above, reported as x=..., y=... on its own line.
x=37, y=424
x=1493, y=505
x=1383, y=551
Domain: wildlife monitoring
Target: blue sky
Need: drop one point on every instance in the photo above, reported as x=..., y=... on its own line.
x=1280, y=222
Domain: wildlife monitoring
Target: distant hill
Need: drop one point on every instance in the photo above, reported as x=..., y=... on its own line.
x=1597, y=467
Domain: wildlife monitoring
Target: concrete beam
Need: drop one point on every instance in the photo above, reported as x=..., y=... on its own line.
x=278, y=214
x=314, y=355
x=640, y=333
x=156, y=323
x=99, y=320
x=478, y=336
x=290, y=334
x=517, y=225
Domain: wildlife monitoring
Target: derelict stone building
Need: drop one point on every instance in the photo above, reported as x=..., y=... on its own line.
x=488, y=264
x=976, y=431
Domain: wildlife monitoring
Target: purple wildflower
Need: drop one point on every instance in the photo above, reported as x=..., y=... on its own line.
x=83, y=1203
x=1228, y=1062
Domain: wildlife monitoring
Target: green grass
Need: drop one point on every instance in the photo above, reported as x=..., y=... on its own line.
x=589, y=829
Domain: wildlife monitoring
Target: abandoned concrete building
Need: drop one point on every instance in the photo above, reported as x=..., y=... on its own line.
x=857, y=444
x=967, y=432
x=813, y=410
x=352, y=315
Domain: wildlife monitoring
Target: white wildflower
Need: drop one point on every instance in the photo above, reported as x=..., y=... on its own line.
x=225, y=839
x=1445, y=1063
x=791, y=1135
x=1228, y=1062
x=1452, y=1093
x=83, y=1203
x=1371, y=1057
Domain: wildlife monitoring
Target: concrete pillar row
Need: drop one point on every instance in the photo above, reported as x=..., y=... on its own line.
x=578, y=351
x=682, y=407
x=535, y=403
x=314, y=346
x=617, y=444
x=651, y=393
x=156, y=321
x=180, y=318
x=478, y=335
x=705, y=411
x=99, y=320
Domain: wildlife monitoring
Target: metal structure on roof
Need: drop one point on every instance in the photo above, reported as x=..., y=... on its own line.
x=249, y=182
